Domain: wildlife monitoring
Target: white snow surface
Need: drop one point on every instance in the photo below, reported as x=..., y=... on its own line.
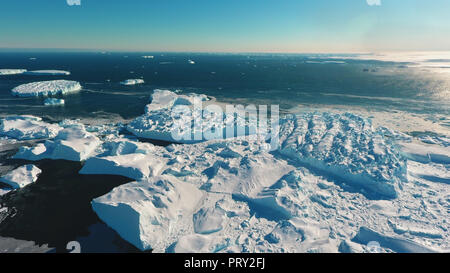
x=27, y=128
x=21, y=176
x=46, y=88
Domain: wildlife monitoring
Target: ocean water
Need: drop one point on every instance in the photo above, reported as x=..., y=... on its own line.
x=292, y=81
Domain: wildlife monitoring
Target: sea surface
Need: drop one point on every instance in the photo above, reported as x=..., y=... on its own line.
x=294, y=81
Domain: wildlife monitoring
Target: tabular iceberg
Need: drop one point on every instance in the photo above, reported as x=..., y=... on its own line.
x=12, y=71
x=135, y=166
x=72, y=143
x=47, y=72
x=132, y=82
x=46, y=88
x=142, y=211
x=27, y=128
x=21, y=176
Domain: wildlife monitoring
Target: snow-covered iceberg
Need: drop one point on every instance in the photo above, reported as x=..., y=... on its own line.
x=132, y=82
x=46, y=88
x=12, y=71
x=135, y=166
x=176, y=118
x=27, y=128
x=141, y=212
x=21, y=176
x=47, y=72
x=72, y=143
x=346, y=146
x=53, y=102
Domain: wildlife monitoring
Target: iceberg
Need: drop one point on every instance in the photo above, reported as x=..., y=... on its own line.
x=132, y=82
x=72, y=143
x=47, y=72
x=27, y=128
x=46, y=88
x=135, y=166
x=53, y=102
x=21, y=176
x=345, y=146
x=141, y=212
x=12, y=71
x=164, y=120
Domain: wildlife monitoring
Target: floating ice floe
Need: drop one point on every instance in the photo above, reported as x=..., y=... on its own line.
x=12, y=71
x=21, y=176
x=345, y=146
x=141, y=212
x=132, y=82
x=47, y=72
x=53, y=102
x=46, y=88
x=176, y=118
x=72, y=143
x=27, y=128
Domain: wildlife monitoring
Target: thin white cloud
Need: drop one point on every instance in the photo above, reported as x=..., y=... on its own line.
x=74, y=2
x=373, y=2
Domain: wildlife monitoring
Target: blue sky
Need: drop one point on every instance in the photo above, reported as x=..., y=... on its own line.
x=227, y=25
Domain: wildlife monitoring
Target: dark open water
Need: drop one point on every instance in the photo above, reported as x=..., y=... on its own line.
x=287, y=80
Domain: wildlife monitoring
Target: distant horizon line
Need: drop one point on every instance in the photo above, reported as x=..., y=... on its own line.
x=80, y=50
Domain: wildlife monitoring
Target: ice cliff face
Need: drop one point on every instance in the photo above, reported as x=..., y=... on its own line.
x=141, y=211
